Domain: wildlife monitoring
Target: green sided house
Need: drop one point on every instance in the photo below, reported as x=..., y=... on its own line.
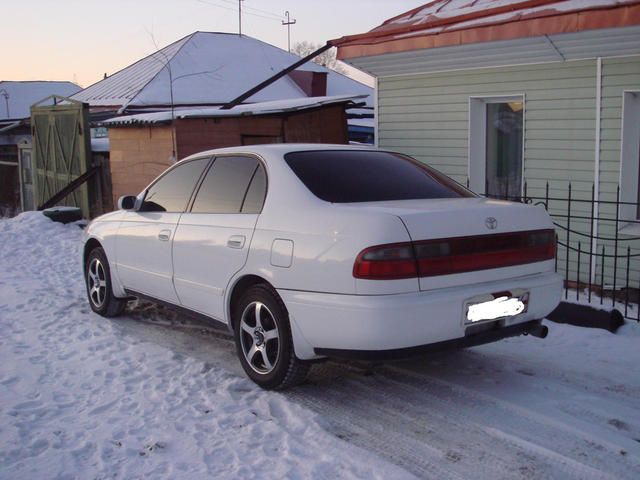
x=523, y=98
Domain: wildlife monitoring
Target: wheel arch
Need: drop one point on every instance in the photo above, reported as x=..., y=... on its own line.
x=302, y=347
x=241, y=285
x=90, y=245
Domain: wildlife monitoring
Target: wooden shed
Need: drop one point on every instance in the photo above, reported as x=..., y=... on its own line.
x=144, y=145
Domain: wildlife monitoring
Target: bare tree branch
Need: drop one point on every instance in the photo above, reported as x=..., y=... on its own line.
x=326, y=59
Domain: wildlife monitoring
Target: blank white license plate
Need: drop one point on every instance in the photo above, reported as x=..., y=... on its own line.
x=499, y=307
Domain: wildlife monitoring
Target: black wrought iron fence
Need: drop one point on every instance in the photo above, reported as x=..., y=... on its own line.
x=600, y=264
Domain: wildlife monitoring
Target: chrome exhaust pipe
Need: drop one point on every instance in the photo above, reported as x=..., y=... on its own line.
x=540, y=331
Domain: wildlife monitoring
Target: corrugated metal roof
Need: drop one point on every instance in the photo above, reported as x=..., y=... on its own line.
x=208, y=68
x=456, y=22
x=260, y=108
x=19, y=96
x=121, y=87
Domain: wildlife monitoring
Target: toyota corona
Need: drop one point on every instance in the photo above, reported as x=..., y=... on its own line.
x=306, y=252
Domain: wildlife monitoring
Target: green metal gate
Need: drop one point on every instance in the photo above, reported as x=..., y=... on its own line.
x=61, y=149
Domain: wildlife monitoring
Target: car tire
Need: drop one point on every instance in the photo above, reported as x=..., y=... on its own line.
x=99, y=287
x=263, y=340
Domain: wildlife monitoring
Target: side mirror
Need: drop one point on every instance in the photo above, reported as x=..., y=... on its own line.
x=127, y=202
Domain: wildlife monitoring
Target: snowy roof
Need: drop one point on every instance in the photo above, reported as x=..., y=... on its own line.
x=21, y=95
x=455, y=22
x=260, y=108
x=207, y=68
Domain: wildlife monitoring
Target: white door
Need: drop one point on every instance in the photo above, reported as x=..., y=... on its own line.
x=496, y=139
x=143, y=245
x=212, y=240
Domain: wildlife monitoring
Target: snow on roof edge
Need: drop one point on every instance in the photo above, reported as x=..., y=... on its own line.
x=260, y=108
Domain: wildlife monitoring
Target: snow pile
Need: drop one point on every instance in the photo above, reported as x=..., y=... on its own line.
x=84, y=397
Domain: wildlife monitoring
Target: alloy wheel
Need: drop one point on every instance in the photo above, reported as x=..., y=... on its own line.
x=259, y=338
x=97, y=282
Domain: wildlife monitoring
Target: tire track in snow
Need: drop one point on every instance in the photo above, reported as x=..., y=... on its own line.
x=484, y=436
x=346, y=416
x=564, y=427
x=484, y=421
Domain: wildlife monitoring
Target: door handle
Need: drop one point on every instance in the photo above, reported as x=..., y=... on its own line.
x=164, y=235
x=236, y=241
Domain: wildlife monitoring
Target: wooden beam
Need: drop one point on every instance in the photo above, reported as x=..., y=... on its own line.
x=69, y=188
x=277, y=76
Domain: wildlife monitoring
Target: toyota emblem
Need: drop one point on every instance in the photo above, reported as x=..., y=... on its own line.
x=491, y=223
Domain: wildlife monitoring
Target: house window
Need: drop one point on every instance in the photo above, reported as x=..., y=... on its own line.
x=496, y=138
x=630, y=159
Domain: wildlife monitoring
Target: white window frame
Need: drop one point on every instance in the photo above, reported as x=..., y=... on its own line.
x=629, y=151
x=477, y=137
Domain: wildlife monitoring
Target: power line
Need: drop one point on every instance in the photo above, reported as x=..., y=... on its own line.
x=246, y=7
x=273, y=18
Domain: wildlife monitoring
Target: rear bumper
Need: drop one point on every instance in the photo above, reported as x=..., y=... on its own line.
x=328, y=324
x=495, y=332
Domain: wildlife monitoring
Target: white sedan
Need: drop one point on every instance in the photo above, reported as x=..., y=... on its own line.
x=313, y=251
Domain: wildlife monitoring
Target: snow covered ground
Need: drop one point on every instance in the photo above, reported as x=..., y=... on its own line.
x=156, y=395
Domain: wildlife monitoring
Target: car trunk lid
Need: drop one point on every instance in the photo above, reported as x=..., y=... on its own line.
x=483, y=227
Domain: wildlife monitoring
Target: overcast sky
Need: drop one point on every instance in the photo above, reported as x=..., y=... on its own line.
x=80, y=40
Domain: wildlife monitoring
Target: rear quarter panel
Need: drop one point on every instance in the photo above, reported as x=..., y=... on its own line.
x=326, y=242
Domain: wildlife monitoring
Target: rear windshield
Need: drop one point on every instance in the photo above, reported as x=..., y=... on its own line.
x=340, y=176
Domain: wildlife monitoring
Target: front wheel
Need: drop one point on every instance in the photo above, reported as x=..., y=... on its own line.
x=264, y=342
x=99, y=290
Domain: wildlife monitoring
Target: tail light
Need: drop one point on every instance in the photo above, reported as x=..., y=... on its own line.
x=386, y=262
x=447, y=256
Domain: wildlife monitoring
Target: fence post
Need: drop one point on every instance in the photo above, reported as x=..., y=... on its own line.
x=546, y=196
x=615, y=247
x=566, y=270
x=602, y=278
x=578, y=274
x=591, y=239
x=626, y=290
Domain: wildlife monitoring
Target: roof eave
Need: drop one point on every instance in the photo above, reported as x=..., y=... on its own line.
x=551, y=23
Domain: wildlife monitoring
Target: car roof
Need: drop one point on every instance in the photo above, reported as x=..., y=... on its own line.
x=279, y=149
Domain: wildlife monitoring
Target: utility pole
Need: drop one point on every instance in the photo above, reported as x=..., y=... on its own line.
x=288, y=23
x=240, y=17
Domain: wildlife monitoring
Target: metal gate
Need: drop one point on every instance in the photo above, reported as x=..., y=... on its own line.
x=61, y=149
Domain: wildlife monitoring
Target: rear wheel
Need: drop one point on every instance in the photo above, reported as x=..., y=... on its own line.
x=264, y=342
x=99, y=289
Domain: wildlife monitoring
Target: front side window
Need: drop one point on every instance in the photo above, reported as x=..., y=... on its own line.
x=347, y=176
x=173, y=190
x=232, y=185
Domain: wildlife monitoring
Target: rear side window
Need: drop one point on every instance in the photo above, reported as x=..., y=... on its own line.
x=172, y=191
x=341, y=176
x=254, y=199
x=227, y=185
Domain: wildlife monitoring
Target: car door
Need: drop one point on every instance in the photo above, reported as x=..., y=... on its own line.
x=143, y=244
x=212, y=239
